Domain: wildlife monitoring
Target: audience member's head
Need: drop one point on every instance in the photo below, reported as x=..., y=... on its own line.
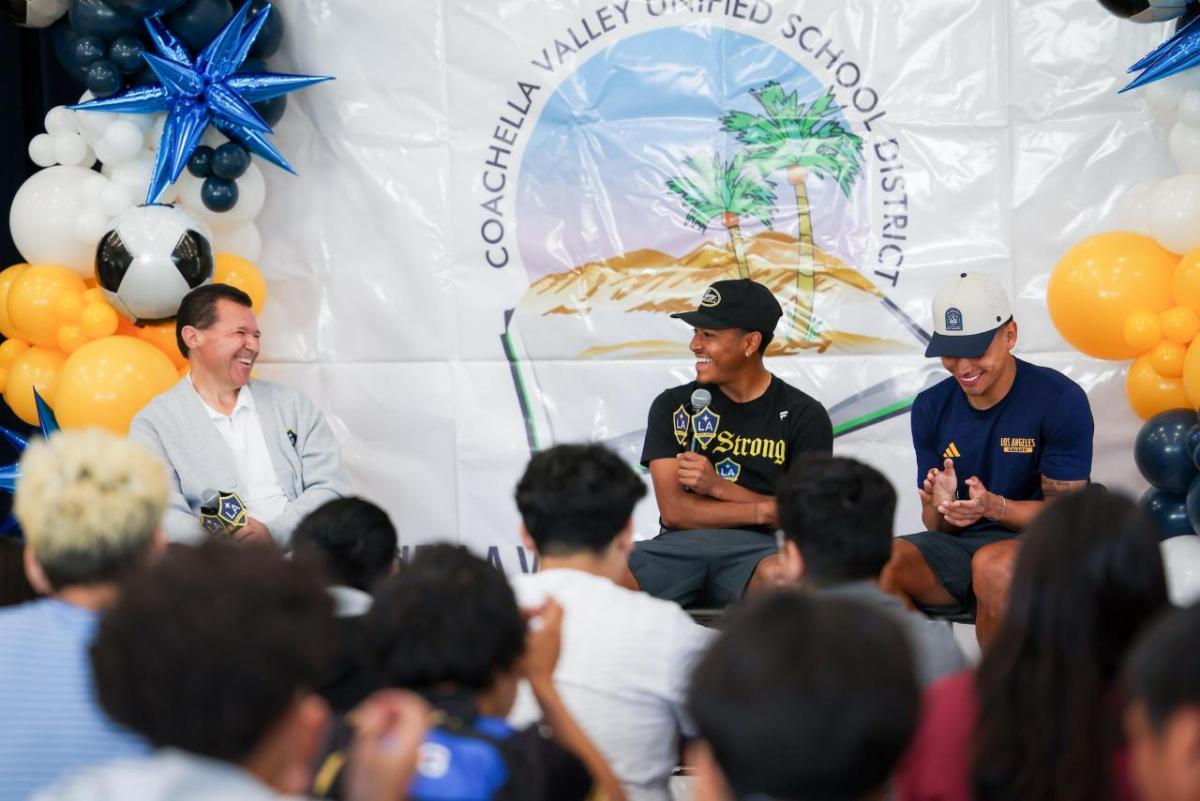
x=803, y=698
x=448, y=622
x=1162, y=683
x=215, y=651
x=836, y=515
x=1088, y=578
x=578, y=498
x=353, y=538
x=89, y=503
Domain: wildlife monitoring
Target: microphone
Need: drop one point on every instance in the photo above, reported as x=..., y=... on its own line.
x=701, y=398
x=221, y=512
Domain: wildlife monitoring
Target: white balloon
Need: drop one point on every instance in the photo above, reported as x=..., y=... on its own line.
x=1184, y=144
x=43, y=215
x=1181, y=561
x=93, y=185
x=154, y=135
x=1163, y=97
x=1188, y=110
x=136, y=172
x=123, y=140
x=92, y=124
x=252, y=192
x=60, y=119
x=143, y=121
x=41, y=150
x=1133, y=210
x=1175, y=213
x=244, y=241
x=69, y=148
x=91, y=225
x=115, y=198
x=89, y=158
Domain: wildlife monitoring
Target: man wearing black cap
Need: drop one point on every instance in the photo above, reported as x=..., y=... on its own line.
x=714, y=467
x=994, y=442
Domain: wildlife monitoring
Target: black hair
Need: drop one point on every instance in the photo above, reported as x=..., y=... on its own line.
x=577, y=498
x=839, y=513
x=448, y=619
x=353, y=538
x=100, y=561
x=807, y=698
x=199, y=308
x=1087, y=579
x=1163, y=669
x=206, y=650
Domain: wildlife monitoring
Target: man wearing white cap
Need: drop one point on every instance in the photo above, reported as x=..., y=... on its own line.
x=994, y=442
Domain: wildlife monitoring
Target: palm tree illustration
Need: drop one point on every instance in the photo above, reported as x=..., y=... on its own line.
x=729, y=190
x=803, y=139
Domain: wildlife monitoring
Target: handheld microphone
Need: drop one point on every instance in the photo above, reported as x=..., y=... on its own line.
x=701, y=398
x=221, y=512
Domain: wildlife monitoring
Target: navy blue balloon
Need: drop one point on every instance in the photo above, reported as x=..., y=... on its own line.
x=62, y=40
x=88, y=50
x=126, y=53
x=198, y=21
x=1193, y=504
x=1161, y=450
x=230, y=160
x=218, y=194
x=103, y=79
x=145, y=8
x=271, y=36
x=200, y=162
x=97, y=18
x=1170, y=512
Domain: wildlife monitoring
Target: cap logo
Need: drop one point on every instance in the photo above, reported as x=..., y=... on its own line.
x=711, y=297
x=954, y=319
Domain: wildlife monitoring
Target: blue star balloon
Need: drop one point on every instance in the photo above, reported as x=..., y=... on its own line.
x=202, y=90
x=9, y=473
x=1180, y=52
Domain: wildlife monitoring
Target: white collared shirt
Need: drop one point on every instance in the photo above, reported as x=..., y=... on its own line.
x=258, y=486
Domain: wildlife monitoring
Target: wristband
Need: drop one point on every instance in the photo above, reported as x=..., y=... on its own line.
x=1003, y=509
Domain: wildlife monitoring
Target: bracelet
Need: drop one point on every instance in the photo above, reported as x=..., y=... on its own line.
x=1003, y=509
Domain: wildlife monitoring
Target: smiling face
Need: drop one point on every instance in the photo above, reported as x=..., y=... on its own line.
x=986, y=379
x=225, y=351
x=721, y=353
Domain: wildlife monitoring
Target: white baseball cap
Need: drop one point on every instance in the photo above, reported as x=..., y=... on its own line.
x=967, y=312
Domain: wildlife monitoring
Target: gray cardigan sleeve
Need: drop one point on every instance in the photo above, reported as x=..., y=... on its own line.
x=179, y=522
x=321, y=474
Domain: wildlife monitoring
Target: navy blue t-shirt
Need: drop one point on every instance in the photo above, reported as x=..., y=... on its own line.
x=1042, y=427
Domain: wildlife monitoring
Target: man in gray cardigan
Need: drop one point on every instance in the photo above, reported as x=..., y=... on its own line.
x=218, y=429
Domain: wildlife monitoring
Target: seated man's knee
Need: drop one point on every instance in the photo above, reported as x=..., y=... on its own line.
x=992, y=569
x=768, y=573
x=905, y=562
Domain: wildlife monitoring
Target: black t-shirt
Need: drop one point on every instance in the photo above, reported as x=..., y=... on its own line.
x=749, y=443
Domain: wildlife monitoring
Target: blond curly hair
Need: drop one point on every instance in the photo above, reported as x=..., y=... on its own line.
x=89, y=503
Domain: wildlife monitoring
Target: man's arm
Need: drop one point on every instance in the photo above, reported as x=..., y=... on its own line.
x=321, y=474
x=1013, y=515
x=180, y=523
x=687, y=510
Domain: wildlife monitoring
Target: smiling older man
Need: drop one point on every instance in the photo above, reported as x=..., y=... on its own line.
x=219, y=429
x=995, y=441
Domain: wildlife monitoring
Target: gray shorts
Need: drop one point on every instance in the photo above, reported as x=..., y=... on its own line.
x=949, y=557
x=696, y=568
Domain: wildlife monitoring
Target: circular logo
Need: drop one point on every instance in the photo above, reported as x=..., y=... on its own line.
x=711, y=297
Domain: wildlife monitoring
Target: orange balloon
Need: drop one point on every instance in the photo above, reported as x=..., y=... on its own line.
x=31, y=300
x=1150, y=393
x=1185, y=281
x=1180, y=324
x=1101, y=281
x=98, y=320
x=3, y=378
x=10, y=349
x=1167, y=359
x=162, y=336
x=240, y=273
x=69, y=306
x=125, y=326
x=94, y=295
x=7, y=277
x=71, y=338
x=107, y=381
x=1142, y=330
x=38, y=368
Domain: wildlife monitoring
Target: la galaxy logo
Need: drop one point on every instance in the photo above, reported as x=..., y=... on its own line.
x=704, y=425
x=953, y=319
x=711, y=298
x=728, y=469
x=679, y=424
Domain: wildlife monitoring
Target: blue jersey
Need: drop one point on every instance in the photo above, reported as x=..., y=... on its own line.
x=1042, y=427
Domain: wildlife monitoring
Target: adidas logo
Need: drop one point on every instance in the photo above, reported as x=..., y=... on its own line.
x=951, y=452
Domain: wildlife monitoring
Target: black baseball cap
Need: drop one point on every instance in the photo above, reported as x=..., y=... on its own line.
x=737, y=303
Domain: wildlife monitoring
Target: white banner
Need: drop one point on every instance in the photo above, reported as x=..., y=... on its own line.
x=488, y=234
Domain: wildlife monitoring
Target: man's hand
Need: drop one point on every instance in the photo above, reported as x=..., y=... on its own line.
x=543, y=641
x=253, y=533
x=940, y=486
x=696, y=472
x=389, y=729
x=968, y=512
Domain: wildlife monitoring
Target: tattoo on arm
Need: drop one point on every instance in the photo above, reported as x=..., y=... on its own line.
x=1052, y=487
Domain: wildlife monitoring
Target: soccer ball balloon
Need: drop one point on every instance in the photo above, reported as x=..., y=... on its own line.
x=152, y=257
x=34, y=13
x=1147, y=10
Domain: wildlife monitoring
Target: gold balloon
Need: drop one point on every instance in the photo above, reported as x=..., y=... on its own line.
x=1167, y=359
x=69, y=306
x=98, y=320
x=38, y=368
x=7, y=277
x=71, y=338
x=240, y=273
x=1142, y=330
x=1150, y=393
x=31, y=300
x=162, y=336
x=107, y=381
x=1185, y=281
x=10, y=349
x=1100, y=282
x=1180, y=324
